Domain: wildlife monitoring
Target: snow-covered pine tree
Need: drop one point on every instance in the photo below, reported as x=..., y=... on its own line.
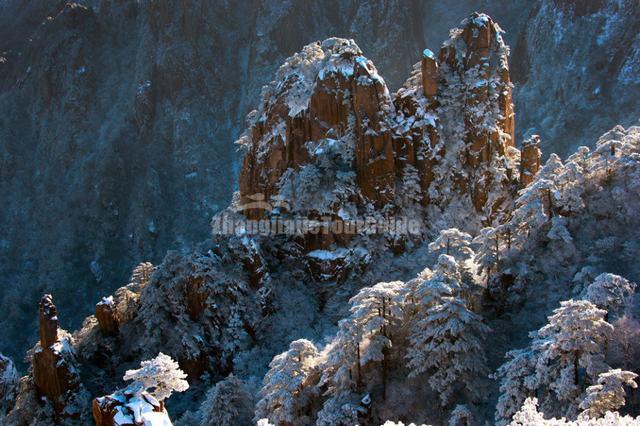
x=429, y=286
x=488, y=247
x=374, y=312
x=461, y=416
x=288, y=385
x=228, y=403
x=447, y=343
x=341, y=367
x=141, y=275
x=608, y=394
x=409, y=295
x=445, y=336
x=571, y=183
x=453, y=242
x=609, y=292
x=529, y=415
x=534, y=208
x=411, y=191
x=363, y=337
x=573, y=341
x=160, y=377
x=624, y=348
x=340, y=410
x=516, y=376
x=559, y=231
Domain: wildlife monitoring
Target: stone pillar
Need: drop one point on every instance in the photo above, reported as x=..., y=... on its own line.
x=429, y=67
x=48, y=321
x=529, y=160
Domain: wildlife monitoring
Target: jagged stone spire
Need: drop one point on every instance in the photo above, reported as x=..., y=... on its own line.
x=54, y=372
x=48, y=321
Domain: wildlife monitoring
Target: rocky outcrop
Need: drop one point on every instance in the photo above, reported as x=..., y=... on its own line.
x=463, y=95
x=328, y=114
x=107, y=317
x=430, y=74
x=8, y=384
x=529, y=160
x=52, y=393
x=328, y=92
x=54, y=372
x=129, y=408
x=121, y=307
x=156, y=90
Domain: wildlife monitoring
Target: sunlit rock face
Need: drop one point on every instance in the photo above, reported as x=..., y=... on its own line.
x=460, y=117
x=329, y=138
x=530, y=160
x=328, y=94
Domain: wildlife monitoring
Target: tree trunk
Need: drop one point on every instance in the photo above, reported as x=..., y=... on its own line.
x=384, y=352
x=576, y=366
x=497, y=253
x=359, y=378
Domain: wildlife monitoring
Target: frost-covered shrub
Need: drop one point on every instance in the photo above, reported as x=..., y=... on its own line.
x=461, y=416
x=453, y=242
x=208, y=301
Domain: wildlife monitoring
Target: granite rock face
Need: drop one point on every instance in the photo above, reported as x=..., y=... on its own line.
x=329, y=138
x=327, y=91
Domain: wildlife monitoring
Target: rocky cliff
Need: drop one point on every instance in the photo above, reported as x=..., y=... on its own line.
x=116, y=117
x=329, y=138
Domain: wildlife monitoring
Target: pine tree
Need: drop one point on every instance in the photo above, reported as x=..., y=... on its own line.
x=574, y=339
x=341, y=369
x=625, y=342
x=489, y=246
x=461, y=416
x=608, y=394
x=340, y=410
x=429, y=286
x=374, y=312
x=411, y=191
x=453, y=242
x=609, y=291
x=286, y=391
x=228, y=403
x=447, y=344
x=528, y=414
x=516, y=376
x=161, y=374
x=445, y=336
